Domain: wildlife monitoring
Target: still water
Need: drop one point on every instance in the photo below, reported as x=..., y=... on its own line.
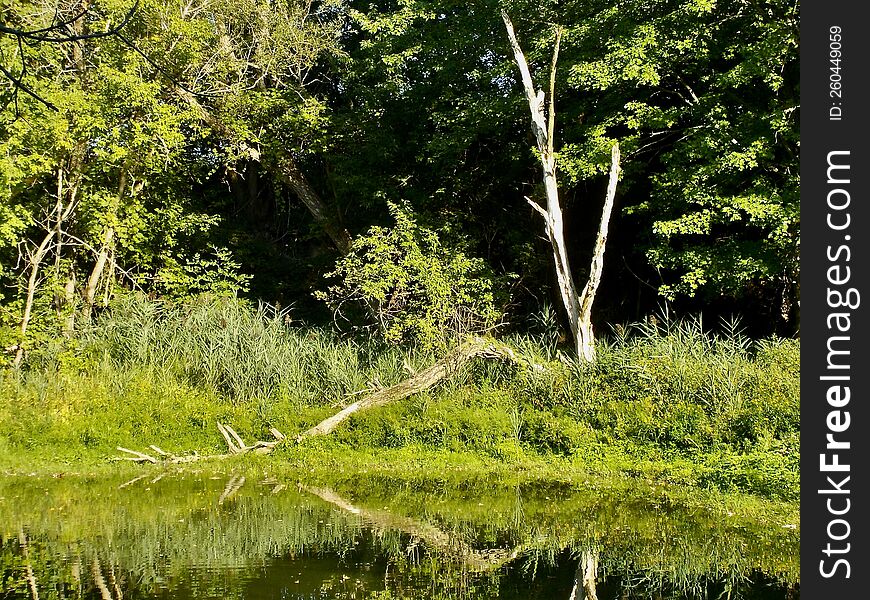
x=195, y=535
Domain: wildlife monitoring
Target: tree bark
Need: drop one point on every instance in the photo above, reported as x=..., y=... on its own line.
x=577, y=306
x=35, y=262
x=90, y=291
x=586, y=339
x=324, y=216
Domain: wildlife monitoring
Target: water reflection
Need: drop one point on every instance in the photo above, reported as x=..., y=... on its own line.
x=195, y=535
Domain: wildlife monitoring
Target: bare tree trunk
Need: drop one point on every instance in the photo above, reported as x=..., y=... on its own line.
x=69, y=298
x=577, y=306
x=97, y=272
x=586, y=339
x=449, y=365
x=35, y=261
x=90, y=291
x=584, y=578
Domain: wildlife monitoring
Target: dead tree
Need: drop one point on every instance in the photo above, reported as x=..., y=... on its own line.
x=35, y=262
x=425, y=379
x=577, y=305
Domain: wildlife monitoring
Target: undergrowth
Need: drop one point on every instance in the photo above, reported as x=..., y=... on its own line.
x=668, y=400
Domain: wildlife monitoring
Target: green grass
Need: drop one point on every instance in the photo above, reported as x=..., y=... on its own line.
x=671, y=402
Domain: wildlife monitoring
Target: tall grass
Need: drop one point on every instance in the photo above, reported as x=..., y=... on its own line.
x=661, y=390
x=243, y=352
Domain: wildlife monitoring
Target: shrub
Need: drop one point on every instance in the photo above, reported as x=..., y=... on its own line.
x=418, y=290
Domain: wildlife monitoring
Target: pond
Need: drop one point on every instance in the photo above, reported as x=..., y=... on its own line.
x=190, y=534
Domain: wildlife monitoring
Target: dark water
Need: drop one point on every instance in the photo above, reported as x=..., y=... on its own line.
x=200, y=535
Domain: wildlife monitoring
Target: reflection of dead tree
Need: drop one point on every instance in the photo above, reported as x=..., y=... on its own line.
x=28, y=568
x=476, y=560
x=584, y=578
x=578, y=305
x=100, y=581
x=233, y=485
x=109, y=590
x=450, y=365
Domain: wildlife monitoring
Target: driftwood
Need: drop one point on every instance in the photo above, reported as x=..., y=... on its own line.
x=234, y=442
x=28, y=568
x=449, y=365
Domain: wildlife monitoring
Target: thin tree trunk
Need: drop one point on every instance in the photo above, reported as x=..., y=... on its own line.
x=577, y=306
x=100, y=581
x=290, y=173
x=35, y=262
x=586, y=339
x=90, y=291
x=58, y=228
x=97, y=272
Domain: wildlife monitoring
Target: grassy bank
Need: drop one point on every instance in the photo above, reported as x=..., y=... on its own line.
x=669, y=402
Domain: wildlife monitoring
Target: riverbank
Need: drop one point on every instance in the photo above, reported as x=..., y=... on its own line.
x=670, y=403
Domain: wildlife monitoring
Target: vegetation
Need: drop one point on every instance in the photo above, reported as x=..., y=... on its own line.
x=261, y=212
x=665, y=400
x=279, y=217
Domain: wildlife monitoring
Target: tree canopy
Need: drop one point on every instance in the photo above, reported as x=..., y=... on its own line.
x=253, y=147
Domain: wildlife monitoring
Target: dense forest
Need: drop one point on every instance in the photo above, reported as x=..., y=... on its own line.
x=370, y=163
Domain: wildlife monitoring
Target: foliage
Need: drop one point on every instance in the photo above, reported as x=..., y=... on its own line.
x=418, y=290
x=667, y=400
x=708, y=91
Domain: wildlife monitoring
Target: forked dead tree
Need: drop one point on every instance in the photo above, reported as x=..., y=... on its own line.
x=577, y=305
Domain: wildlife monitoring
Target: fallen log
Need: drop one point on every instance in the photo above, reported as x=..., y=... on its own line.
x=422, y=381
x=448, y=366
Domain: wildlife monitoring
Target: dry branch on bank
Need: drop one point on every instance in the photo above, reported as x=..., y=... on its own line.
x=446, y=367
x=234, y=441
